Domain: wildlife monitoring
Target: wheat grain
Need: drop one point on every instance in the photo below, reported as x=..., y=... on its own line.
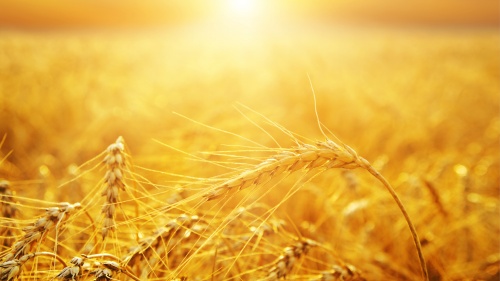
x=108, y=269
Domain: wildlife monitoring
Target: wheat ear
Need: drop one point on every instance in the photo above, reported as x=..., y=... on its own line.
x=287, y=259
x=7, y=202
x=159, y=246
x=37, y=232
x=106, y=269
x=344, y=272
x=326, y=154
x=11, y=269
x=72, y=272
x=113, y=182
x=9, y=211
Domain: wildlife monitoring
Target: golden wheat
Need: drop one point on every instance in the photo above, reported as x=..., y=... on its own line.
x=160, y=248
x=346, y=272
x=37, y=232
x=113, y=182
x=8, y=211
x=159, y=221
x=288, y=259
x=326, y=155
x=72, y=272
x=11, y=269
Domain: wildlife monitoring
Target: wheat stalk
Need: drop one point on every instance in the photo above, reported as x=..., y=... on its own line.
x=326, y=155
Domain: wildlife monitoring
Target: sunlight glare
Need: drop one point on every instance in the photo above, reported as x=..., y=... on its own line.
x=242, y=7
x=243, y=16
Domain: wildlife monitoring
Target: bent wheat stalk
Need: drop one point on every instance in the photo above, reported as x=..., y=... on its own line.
x=326, y=155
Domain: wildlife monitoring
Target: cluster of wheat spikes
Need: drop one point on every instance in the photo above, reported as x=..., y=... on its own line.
x=142, y=239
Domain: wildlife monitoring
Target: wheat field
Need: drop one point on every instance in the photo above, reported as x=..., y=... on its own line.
x=190, y=154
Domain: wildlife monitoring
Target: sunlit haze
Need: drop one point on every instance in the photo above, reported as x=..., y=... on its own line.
x=239, y=14
x=243, y=8
x=79, y=13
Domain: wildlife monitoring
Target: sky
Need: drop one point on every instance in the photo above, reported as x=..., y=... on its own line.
x=128, y=13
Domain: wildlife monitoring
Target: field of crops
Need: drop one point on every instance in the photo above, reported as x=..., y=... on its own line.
x=208, y=153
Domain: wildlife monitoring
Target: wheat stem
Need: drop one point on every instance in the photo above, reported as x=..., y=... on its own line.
x=414, y=234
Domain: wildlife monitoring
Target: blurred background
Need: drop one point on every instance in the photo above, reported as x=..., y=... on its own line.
x=76, y=74
x=79, y=13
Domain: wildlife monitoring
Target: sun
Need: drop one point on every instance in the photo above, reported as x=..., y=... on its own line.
x=242, y=7
x=244, y=15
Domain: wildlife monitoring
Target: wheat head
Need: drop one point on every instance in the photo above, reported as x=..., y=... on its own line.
x=36, y=233
x=113, y=182
x=326, y=155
